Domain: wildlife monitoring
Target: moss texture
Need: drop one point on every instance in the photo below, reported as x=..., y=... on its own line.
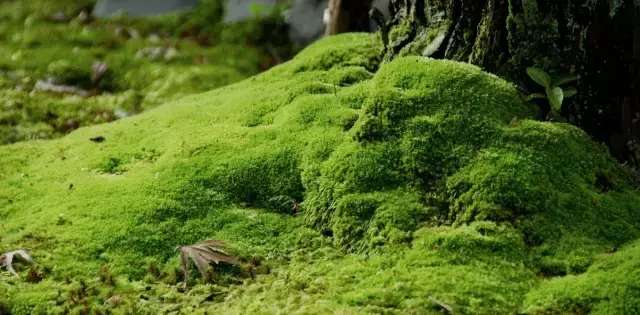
x=423, y=186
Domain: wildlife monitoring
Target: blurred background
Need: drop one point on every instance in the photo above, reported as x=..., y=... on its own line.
x=72, y=63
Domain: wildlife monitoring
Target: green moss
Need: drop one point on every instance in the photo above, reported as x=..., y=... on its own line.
x=338, y=52
x=609, y=286
x=380, y=218
x=345, y=185
x=475, y=269
x=420, y=114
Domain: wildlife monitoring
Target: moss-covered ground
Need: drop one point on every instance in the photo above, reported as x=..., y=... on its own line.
x=346, y=185
x=116, y=67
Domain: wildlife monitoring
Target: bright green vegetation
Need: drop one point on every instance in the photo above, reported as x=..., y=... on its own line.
x=149, y=62
x=424, y=185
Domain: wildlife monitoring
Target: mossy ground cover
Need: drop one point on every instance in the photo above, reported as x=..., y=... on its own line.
x=148, y=62
x=346, y=185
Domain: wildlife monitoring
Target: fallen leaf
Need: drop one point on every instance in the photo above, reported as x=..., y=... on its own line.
x=203, y=255
x=6, y=260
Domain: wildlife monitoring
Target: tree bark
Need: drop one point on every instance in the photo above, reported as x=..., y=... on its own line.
x=334, y=18
x=598, y=40
x=348, y=16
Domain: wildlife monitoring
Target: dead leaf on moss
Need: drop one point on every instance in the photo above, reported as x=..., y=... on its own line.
x=98, y=70
x=448, y=309
x=203, y=255
x=6, y=260
x=52, y=87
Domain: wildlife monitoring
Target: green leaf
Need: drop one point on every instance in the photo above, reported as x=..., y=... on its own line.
x=556, y=96
x=535, y=95
x=539, y=76
x=564, y=79
x=570, y=92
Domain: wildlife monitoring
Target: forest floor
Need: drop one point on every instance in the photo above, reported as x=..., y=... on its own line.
x=339, y=183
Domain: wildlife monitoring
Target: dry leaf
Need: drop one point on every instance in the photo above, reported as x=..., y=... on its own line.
x=204, y=254
x=6, y=260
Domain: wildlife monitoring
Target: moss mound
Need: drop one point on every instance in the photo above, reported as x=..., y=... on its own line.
x=609, y=286
x=423, y=186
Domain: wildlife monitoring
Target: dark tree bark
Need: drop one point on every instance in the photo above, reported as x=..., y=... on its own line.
x=347, y=16
x=598, y=40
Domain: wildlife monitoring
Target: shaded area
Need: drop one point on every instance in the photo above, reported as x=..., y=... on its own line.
x=596, y=40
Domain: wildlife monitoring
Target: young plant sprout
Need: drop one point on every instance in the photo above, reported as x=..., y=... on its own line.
x=554, y=93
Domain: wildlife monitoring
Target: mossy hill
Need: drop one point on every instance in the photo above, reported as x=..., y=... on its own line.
x=348, y=186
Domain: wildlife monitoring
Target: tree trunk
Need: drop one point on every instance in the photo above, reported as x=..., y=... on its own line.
x=347, y=16
x=598, y=40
